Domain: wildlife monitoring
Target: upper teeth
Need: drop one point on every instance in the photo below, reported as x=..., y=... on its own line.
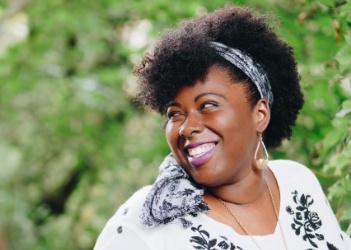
x=201, y=149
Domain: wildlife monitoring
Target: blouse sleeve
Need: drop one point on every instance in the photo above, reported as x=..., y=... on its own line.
x=123, y=230
x=120, y=236
x=347, y=240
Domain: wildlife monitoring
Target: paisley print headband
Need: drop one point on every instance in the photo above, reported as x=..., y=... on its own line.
x=251, y=68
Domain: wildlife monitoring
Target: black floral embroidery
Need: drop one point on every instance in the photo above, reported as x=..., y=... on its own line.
x=305, y=220
x=289, y=210
x=331, y=246
x=125, y=211
x=119, y=229
x=204, y=242
x=193, y=214
x=185, y=223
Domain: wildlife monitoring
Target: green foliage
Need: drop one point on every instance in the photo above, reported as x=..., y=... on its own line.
x=336, y=146
x=332, y=151
x=74, y=146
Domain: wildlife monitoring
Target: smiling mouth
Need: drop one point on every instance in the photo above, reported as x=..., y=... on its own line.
x=200, y=150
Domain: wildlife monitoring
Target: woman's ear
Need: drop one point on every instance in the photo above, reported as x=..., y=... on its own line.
x=262, y=114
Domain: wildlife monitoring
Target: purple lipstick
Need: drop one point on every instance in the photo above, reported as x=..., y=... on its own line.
x=200, y=154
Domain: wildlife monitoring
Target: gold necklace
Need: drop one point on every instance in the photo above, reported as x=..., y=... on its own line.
x=244, y=228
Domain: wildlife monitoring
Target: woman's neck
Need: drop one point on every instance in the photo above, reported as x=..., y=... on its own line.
x=246, y=191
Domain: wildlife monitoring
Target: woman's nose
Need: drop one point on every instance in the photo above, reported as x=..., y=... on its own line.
x=192, y=125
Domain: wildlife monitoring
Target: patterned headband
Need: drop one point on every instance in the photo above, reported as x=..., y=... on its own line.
x=251, y=68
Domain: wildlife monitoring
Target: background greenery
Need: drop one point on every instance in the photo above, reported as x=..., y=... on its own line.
x=73, y=146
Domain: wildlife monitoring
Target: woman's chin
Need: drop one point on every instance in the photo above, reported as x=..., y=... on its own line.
x=204, y=179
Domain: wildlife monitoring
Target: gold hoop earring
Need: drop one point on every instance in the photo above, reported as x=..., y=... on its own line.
x=261, y=163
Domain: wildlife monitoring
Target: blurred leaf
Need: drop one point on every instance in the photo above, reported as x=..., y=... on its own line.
x=344, y=58
x=332, y=139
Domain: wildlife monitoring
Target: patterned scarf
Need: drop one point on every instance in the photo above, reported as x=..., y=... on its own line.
x=173, y=195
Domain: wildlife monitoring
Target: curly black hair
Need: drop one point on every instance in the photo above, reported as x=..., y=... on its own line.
x=184, y=54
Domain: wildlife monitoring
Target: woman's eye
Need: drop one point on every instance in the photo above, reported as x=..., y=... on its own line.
x=208, y=105
x=172, y=115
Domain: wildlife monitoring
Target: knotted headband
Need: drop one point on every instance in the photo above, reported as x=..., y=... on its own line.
x=250, y=67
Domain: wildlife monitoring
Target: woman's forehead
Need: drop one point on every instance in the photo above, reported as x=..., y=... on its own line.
x=217, y=83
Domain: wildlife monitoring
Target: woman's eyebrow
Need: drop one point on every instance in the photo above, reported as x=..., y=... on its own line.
x=177, y=104
x=208, y=93
x=173, y=104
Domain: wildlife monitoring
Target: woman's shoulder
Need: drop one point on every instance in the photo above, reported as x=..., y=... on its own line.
x=288, y=170
x=124, y=229
x=129, y=211
x=133, y=205
x=289, y=166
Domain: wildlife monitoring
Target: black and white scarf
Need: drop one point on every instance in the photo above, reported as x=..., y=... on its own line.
x=173, y=195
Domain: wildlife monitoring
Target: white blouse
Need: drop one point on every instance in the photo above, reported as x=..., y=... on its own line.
x=305, y=216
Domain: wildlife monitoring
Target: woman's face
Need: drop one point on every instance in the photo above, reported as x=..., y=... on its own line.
x=212, y=130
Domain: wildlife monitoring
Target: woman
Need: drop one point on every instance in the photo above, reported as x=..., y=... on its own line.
x=229, y=88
